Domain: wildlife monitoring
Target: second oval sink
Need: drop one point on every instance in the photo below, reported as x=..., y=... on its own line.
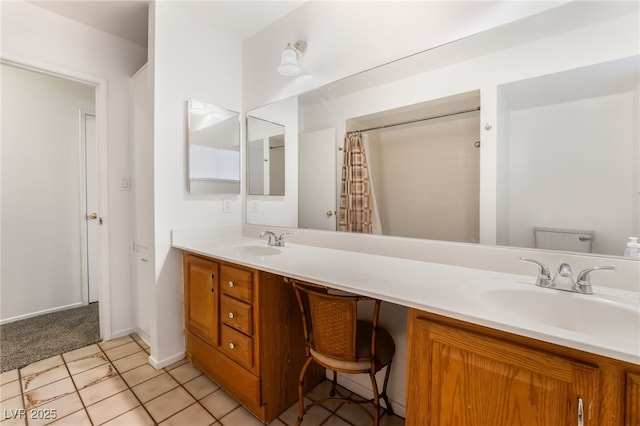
x=573, y=312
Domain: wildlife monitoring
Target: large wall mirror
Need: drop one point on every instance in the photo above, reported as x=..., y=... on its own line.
x=527, y=135
x=213, y=149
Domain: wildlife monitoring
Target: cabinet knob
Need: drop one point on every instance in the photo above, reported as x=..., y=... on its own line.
x=232, y=346
x=231, y=284
x=232, y=315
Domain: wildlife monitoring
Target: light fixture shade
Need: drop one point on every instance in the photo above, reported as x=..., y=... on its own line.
x=289, y=62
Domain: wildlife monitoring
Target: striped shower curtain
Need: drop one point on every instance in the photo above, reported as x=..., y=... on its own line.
x=355, y=196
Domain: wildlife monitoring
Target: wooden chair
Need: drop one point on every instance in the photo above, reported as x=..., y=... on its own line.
x=336, y=339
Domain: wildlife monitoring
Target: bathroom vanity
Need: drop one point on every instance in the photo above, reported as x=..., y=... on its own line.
x=475, y=355
x=243, y=330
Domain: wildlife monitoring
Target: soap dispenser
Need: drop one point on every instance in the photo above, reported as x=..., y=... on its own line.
x=633, y=248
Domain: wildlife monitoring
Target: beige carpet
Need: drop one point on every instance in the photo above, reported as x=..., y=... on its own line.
x=26, y=341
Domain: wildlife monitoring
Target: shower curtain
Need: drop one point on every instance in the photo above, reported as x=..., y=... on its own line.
x=355, y=196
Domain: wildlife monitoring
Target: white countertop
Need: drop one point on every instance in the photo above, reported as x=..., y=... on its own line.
x=452, y=291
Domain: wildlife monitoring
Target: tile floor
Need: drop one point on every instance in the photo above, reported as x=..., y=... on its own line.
x=111, y=383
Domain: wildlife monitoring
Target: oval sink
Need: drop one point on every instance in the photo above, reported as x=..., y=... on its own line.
x=257, y=250
x=587, y=314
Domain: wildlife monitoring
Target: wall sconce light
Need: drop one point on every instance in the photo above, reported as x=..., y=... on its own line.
x=289, y=62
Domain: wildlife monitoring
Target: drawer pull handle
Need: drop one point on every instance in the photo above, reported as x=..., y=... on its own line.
x=231, y=284
x=580, y=412
x=232, y=315
x=232, y=346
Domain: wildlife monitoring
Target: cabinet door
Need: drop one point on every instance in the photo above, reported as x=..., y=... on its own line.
x=633, y=399
x=468, y=379
x=202, y=298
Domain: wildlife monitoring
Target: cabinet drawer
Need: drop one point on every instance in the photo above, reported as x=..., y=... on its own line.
x=237, y=346
x=236, y=282
x=236, y=314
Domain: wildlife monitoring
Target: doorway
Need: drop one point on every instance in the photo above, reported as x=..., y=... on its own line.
x=90, y=219
x=51, y=165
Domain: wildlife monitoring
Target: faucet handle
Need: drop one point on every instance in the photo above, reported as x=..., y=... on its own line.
x=544, y=275
x=584, y=277
x=271, y=235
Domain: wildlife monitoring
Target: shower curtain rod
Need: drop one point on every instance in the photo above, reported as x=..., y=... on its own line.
x=417, y=121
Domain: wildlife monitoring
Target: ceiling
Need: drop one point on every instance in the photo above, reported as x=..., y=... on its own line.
x=128, y=19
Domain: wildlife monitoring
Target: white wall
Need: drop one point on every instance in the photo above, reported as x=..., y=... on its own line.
x=54, y=42
x=41, y=182
x=188, y=59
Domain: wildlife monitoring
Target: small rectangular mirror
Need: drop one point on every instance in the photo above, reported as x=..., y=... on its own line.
x=266, y=157
x=213, y=149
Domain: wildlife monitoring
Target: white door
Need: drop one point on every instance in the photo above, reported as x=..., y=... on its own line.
x=317, y=176
x=90, y=214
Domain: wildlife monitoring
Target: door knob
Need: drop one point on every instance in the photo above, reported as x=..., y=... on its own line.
x=329, y=213
x=93, y=215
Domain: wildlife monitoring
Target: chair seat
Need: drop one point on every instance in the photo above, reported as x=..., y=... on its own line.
x=385, y=348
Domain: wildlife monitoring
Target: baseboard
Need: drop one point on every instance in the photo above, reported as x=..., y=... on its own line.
x=120, y=333
x=364, y=391
x=158, y=364
x=45, y=311
x=144, y=336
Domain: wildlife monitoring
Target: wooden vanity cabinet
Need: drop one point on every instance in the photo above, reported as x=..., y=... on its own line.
x=466, y=375
x=244, y=331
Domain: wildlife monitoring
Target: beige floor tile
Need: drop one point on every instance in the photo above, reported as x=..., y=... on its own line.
x=36, y=380
x=109, y=344
x=132, y=361
x=136, y=417
x=102, y=390
x=336, y=421
x=169, y=404
x=201, y=386
x=155, y=387
x=240, y=417
x=391, y=421
x=55, y=410
x=112, y=407
x=15, y=421
x=194, y=415
x=48, y=393
x=87, y=363
x=277, y=422
x=45, y=364
x=185, y=372
x=315, y=416
x=14, y=404
x=79, y=418
x=219, y=403
x=140, y=374
x=122, y=350
x=177, y=364
x=10, y=390
x=8, y=376
x=356, y=415
x=94, y=375
x=81, y=353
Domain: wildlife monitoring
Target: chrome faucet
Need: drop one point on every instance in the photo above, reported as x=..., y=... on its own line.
x=274, y=240
x=563, y=279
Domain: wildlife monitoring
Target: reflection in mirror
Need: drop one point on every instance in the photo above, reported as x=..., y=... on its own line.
x=266, y=157
x=558, y=163
x=214, y=149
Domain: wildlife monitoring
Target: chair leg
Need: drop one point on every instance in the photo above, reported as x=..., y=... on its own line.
x=301, y=390
x=376, y=399
x=334, y=384
x=389, y=410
